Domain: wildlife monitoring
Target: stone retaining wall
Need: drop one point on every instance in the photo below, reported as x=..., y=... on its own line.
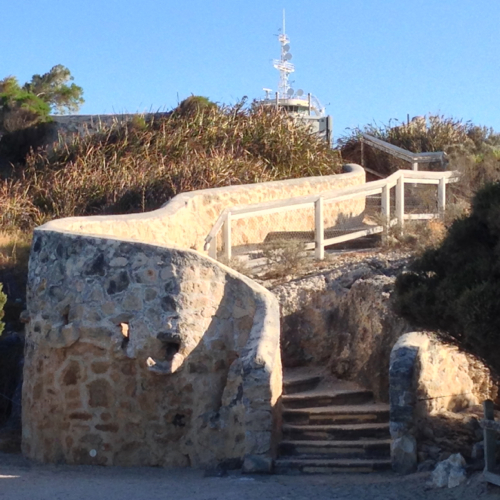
x=429, y=377
x=142, y=352
x=145, y=355
x=187, y=219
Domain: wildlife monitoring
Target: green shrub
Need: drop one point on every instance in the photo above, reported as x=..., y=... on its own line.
x=3, y=300
x=454, y=288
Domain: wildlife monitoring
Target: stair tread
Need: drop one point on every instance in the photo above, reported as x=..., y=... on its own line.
x=312, y=427
x=322, y=392
x=331, y=461
x=336, y=409
x=337, y=443
x=296, y=375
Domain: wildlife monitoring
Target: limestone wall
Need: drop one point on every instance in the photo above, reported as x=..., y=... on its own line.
x=187, y=219
x=428, y=378
x=343, y=319
x=140, y=351
x=146, y=355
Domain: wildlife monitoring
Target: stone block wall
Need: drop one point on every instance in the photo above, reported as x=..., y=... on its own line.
x=343, y=319
x=429, y=377
x=187, y=219
x=146, y=355
x=142, y=352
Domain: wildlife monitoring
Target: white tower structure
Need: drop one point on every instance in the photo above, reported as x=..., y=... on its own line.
x=283, y=65
x=286, y=97
x=306, y=108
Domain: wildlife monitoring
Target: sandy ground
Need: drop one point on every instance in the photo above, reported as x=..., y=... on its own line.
x=24, y=480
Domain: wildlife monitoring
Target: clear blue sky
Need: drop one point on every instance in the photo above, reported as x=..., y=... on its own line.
x=366, y=60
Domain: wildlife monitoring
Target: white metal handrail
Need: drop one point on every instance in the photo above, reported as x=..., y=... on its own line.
x=397, y=179
x=414, y=158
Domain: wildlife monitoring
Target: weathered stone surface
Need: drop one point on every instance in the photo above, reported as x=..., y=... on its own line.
x=449, y=472
x=343, y=318
x=99, y=396
x=404, y=454
x=434, y=389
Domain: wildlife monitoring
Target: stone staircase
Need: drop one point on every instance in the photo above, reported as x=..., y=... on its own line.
x=331, y=426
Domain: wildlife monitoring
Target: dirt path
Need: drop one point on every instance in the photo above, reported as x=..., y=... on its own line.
x=23, y=480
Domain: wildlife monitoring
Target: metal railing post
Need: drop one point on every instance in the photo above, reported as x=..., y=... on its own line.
x=441, y=197
x=319, y=229
x=227, y=237
x=400, y=199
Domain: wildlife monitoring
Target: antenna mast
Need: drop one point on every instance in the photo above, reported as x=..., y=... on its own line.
x=283, y=65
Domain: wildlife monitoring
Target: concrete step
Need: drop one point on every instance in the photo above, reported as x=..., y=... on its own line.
x=325, y=397
x=346, y=432
x=328, y=466
x=361, y=448
x=337, y=414
x=301, y=384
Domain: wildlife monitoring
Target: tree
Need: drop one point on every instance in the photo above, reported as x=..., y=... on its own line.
x=53, y=88
x=454, y=288
x=32, y=103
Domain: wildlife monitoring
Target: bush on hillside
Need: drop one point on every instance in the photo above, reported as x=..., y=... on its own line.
x=3, y=300
x=140, y=165
x=423, y=134
x=455, y=288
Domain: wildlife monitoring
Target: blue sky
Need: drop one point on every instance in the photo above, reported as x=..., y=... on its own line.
x=366, y=60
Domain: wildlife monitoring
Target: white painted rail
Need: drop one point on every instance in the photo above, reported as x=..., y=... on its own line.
x=414, y=158
x=318, y=202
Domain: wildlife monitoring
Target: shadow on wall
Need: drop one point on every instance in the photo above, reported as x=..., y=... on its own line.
x=342, y=320
x=144, y=355
x=435, y=390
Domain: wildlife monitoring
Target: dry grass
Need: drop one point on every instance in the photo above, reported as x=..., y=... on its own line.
x=14, y=256
x=414, y=236
x=140, y=165
x=284, y=258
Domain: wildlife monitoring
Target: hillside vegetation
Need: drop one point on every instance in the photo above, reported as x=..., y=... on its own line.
x=140, y=165
x=454, y=288
x=473, y=150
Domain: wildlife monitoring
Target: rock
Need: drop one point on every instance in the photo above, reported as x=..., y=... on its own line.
x=449, y=472
x=257, y=464
x=404, y=454
x=426, y=466
x=456, y=477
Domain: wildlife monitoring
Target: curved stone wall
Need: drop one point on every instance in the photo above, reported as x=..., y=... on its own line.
x=144, y=355
x=187, y=219
x=140, y=351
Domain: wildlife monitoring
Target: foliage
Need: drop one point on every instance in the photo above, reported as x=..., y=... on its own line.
x=284, y=257
x=19, y=108
x=14, y=255
x=454, y=288
x=3, y=300
x=193, y=105
x=140, y=165
x=423, y=134
x=25, y=110
x=55, y=89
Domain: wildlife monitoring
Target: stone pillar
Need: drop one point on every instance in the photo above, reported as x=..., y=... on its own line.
x=402, y=402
